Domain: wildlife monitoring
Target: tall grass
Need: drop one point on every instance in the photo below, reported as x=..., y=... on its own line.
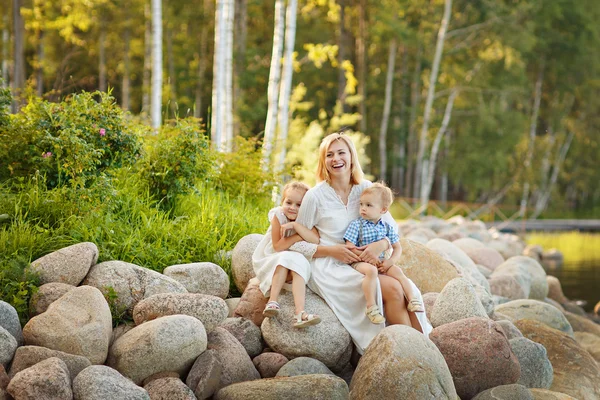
x=575, y=246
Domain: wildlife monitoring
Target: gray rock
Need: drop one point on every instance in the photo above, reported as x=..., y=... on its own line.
x=536, y=369
x=305, y=387
x=401, y=363
x=486, y=256
x=68, y=265
x=538, y=311
x=99, y=382
x=170, y=343
x=485, y=271
x=232, y=304
x=237, y=365
x=48, y=380
x=544, y=394
x=78, y=323
x=505, y=392
x=169, y=389
x=528, y=272
x=486, y=299
x=248, y=334
x=555, y=289
x=9, y=320
x=328, y=342
x=130, y=283
x=506, y=286
x=46, y=295
x=268, y=364
x=202, y=278
x=304, y=366
x=458, y=300
x=429, y=301
x=467, y=243
x=120, y=330
x=27, y=356
x=241, y=260
x=509, y=329
x=8, y=346
x=210, y=310
x=205, y=376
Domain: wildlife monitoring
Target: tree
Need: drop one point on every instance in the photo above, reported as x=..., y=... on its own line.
x=156, y=101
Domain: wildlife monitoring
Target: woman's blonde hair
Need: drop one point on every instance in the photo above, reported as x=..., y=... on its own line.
x=294, y=185
x=356, y=171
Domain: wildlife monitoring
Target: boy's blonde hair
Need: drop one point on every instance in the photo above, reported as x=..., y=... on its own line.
x=356, y=171
x=294, y=185
x=381, y=190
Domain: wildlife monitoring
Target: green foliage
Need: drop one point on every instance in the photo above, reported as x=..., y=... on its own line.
x=17, y=286
x=118, y=312
x=5, y=100
x=69, y=141
x=175, y=158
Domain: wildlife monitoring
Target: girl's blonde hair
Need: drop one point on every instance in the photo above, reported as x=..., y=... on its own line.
x=294, y=185
x=381, y=190
x=356, y=171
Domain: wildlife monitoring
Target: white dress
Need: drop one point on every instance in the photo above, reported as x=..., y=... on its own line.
x=265, y=259
x=337, y=283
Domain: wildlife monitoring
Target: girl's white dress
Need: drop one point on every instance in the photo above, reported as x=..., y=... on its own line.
x=337, y=283
x=265, y=259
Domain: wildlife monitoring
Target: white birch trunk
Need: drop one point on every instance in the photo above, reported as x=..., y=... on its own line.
x=156, y=97
x=411, y=186
x=202, y=62
x=362, y=62
x=273, y=88
x=428, y=179
x=387, y=106
x=227, y=136
x=146, y=76
x=216, y=124
x=286, y=80
x=437, y=58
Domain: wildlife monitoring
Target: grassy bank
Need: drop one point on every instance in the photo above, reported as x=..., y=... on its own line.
x=576, y=246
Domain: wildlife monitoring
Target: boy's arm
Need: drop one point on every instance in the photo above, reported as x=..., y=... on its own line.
x=397, y=253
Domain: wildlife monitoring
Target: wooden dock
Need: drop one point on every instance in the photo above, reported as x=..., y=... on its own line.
x=548, y=225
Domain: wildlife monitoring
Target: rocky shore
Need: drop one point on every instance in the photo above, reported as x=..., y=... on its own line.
x=503, y=329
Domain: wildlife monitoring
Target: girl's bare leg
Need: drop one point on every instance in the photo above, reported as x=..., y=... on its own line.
x=394, y=302
x=299, y=292
x=397, y=273
x=369, y=284
x=279, y=277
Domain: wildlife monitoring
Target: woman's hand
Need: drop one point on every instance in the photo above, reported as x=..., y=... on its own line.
x=371, y=252
x=343, y=252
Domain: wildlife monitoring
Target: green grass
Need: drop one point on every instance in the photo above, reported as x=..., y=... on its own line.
x=575, y=246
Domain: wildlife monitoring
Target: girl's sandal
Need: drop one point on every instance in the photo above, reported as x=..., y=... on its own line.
x=302, y=319
x=374, y=314
x=271, y=309
x=415, y=305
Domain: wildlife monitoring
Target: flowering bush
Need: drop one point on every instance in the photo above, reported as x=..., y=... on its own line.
x=5, y=100
x=69, y=141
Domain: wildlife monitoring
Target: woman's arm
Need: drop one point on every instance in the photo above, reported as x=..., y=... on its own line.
x=338, y=251
x=281, y=243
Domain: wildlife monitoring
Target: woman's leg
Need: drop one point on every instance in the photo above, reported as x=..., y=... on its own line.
x=369, y=284
x=394, y=302
x=279, y=277
x=299, y=292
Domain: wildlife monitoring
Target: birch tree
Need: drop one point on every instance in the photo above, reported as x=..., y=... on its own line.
x=19, y=53
x=227, y=138
x=387, y=105
x=156, y=101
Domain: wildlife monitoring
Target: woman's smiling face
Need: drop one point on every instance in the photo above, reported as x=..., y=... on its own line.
x=338, y=159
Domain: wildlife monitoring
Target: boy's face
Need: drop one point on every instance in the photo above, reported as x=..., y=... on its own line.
x=371, y=208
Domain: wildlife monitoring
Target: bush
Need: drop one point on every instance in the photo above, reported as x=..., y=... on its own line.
x=69, y=141
x=5, y=100
x=175, y=158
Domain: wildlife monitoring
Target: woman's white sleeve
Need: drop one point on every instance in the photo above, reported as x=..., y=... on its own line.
x=307, y=216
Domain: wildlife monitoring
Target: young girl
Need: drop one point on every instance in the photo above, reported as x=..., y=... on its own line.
x=274, y=264
x=374, y=202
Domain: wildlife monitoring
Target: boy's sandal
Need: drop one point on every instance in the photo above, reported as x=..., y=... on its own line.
x=303, y=319
x=416, y=305
x=272, y=309
x=374, y=314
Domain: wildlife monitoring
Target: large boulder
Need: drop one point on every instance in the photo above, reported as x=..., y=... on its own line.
x=128, y=283
x=536, y=369
x=427, y=269
x=304, y=366
x=575, y=371
x=170, y=343
x=99, y=382
x=401, y=363
x=582, y=324
x=241, y=260
x=8, y=346
x=467, y=244
x=9, y=320
x=478, y=355
x=304, y=387
x=268, y=364
x=169, y=389
x=78, y=323
x=68, y=265
x=528, y=272
x=252, y=303
x=203, y=278
x=205, y=376
x=536, y=310
x=505, y=392
x=248, y=334
x=46, y=295
x=458, y=300
x=510, y=330
x=506, y=286
x=590, y=342
x=27, y=356
x=48, y=380
x=555, y=291
x=235, y=362
x=210, y=310
x=486, y=256
x=328, y=342
x=544, y=394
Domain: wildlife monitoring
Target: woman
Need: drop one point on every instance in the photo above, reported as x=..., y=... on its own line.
x=330, y=206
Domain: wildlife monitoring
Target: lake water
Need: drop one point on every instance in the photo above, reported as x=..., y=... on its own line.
x=579, y=275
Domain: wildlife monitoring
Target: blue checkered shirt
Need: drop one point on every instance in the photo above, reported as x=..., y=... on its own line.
x=362, y=232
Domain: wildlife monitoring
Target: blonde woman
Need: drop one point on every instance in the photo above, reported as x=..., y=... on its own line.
x=330, y=207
